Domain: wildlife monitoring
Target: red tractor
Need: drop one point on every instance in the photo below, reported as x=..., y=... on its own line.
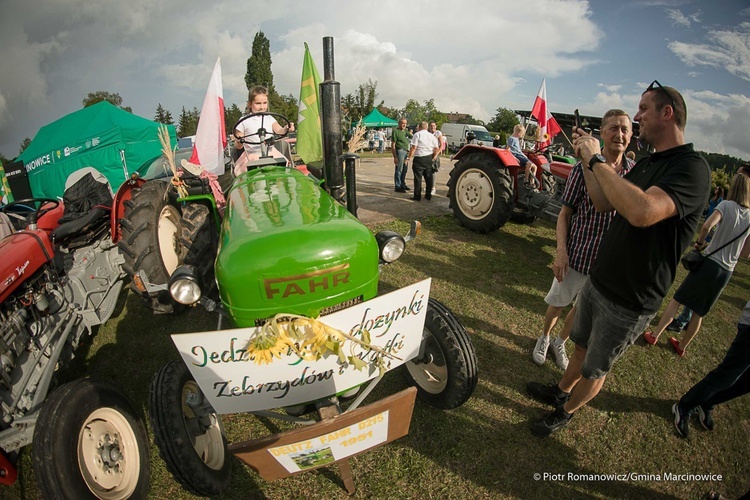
x=59, y=282
x=486, y=187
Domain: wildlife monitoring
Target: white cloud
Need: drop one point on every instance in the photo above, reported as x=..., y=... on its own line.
x=468, y=57
x=725, y=49
x=678, y=18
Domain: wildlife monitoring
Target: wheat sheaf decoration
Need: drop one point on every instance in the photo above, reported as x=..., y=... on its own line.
x=311, y=340
x=168, y=153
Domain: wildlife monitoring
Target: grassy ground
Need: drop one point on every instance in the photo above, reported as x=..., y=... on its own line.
x=495, y=284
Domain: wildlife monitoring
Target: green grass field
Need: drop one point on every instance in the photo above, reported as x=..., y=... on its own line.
x=496, y=285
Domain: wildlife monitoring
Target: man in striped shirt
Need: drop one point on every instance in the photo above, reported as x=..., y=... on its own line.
x=579, y=230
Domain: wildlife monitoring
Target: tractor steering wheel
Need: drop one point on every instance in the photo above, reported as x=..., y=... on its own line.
x=32, y=214
x=263, y=136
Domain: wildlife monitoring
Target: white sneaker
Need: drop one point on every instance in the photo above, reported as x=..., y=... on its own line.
x=561, y=357
x=433, y=192
x=540, y=350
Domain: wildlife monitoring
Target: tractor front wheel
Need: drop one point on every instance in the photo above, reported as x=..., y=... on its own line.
x=445, y=371
x=188, y=432
x=481, y=192
x=89, y=442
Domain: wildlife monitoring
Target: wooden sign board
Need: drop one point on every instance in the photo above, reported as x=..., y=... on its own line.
x=330, y=440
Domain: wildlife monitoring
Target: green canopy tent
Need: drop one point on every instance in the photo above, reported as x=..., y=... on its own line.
x=111, y=140
x=378, y=119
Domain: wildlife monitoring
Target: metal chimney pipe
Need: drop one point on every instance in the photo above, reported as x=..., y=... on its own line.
x=330, y=92
x=350, y=160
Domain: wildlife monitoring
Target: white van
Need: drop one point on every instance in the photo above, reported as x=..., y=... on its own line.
x=455, y=135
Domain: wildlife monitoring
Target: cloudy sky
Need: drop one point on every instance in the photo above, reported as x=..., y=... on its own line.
x=470, y=57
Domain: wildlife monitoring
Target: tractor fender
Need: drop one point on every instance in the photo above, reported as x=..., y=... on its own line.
x=504, y=156
x=118, y=205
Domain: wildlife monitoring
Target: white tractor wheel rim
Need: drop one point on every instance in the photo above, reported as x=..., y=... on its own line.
x=108, y=455
x=168, y=233
x=210, y=445
x=475, y=194
x=431, y=376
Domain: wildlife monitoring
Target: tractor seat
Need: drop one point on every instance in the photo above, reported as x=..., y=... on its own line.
x=77, y=226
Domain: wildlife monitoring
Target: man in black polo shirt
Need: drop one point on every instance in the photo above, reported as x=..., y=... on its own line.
x=658, y=203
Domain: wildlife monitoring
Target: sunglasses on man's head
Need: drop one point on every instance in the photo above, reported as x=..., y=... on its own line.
x=656, y=85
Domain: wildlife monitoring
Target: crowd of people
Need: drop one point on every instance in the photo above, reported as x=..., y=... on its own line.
x=423, y=148
x=621, y=233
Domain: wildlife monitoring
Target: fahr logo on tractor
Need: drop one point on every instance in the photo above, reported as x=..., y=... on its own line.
x=303, y=284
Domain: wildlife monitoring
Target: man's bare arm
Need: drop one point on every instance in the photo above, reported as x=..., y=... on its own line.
x=595, y=191
x=640, y=208
x=562, y=230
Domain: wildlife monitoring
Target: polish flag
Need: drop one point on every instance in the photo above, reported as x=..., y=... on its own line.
x=211, y=136
x=548, y=126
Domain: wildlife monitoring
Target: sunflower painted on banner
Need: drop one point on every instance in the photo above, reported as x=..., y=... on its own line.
x=309, y=339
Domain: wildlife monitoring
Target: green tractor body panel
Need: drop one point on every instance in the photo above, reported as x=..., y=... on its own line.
x=288, y=247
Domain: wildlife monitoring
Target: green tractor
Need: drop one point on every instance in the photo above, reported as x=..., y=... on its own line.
x=285, y=243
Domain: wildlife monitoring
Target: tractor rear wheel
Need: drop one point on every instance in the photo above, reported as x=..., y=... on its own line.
x=446, y=372
x=198, y=245
x=151, y=240
x=481, y=192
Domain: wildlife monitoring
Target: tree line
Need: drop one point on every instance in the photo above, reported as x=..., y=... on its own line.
x=354, y=107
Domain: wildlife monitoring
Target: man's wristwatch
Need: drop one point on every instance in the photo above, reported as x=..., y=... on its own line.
x=596, y=159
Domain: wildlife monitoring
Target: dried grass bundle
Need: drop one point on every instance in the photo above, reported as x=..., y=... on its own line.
x=357, y=141
x=168, y=152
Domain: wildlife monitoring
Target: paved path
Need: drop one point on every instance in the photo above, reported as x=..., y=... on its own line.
x=378, y=202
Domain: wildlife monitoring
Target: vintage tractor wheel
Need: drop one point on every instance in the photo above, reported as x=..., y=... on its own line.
x=446, y=373
x=89, y=442
x=188, y=432
x=151, y=239
x=481, y=192
x=196, y=240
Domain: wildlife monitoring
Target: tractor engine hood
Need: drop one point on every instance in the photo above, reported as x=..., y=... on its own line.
x=288, y=247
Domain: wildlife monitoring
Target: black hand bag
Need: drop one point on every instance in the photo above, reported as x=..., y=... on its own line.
x=693, y=259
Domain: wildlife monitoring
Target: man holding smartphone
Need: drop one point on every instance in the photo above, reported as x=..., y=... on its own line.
x=659, y=204
x=579, y=231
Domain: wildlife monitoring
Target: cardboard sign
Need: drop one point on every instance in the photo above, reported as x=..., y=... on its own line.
x=333, y=445
x=333, y=439
x=234, y=383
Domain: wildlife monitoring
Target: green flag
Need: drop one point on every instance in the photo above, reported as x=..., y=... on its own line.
x=309, y=136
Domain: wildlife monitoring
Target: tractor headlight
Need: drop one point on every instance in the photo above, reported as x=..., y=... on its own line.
x=391, y=245
x=184, y=285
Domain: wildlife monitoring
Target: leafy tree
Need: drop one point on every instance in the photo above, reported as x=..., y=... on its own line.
x=285, y=105
x=188, y=122
x=359, y=104
x=503, y=121
x=720, y=178
x=24, y=144
x=718, y=161
x=231, y=116
x=163, y=116
x=416, y=113
x=259, y=64
x=102, y=95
